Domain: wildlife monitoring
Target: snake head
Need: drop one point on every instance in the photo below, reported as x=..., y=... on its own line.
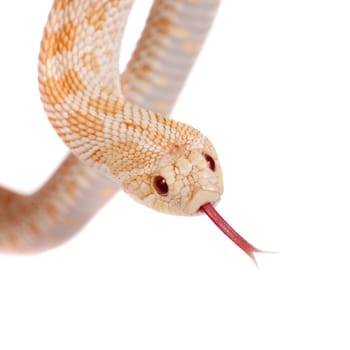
x=185, y=176
x=186, y=179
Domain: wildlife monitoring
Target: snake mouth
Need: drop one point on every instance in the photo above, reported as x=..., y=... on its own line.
x=232, y=234
x=200, y=197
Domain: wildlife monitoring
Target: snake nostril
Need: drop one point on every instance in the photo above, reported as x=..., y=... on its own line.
x=160, y=185
x=210, y=161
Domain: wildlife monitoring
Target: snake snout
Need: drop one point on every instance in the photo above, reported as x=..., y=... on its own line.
x=200, y=198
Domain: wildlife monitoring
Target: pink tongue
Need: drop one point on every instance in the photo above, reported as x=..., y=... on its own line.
x=229, y=231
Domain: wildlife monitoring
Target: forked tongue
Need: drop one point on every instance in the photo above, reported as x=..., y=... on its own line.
x=220, y=222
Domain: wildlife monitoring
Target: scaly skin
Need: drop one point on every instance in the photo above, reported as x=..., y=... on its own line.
x=131, y=145
x=97, y=115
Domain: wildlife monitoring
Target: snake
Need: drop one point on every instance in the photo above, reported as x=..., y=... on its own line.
x=116, y=125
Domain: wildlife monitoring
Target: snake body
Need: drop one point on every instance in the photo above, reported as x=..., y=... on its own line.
x=115, y=125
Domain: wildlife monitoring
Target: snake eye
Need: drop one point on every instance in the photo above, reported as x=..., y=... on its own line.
x=210, y=161
x=160, y=185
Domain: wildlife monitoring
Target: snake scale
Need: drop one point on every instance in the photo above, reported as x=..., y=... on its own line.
x=115, y=125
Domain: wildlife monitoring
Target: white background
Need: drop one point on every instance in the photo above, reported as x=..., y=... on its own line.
x=272, y=90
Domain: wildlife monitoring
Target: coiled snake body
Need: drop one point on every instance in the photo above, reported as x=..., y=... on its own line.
x=166, y=165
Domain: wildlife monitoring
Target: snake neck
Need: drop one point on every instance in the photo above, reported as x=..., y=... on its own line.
x=80, y=90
